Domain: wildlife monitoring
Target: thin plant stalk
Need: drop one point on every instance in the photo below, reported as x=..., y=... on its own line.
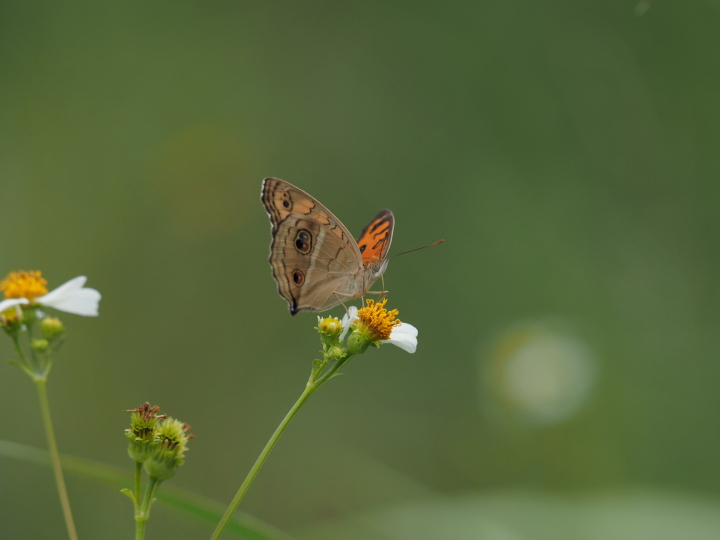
x=143, y=514
x=139, y=518
x=314, y=382
x=41, y=384
x=138, y=483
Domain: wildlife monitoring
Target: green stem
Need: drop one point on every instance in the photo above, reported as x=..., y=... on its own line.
x=333, y=369
x=144, y=514
x=41, y=384
x=316, y=380
x=26, y=367
x=138, y=486
x=309, y=389
x=140, y=527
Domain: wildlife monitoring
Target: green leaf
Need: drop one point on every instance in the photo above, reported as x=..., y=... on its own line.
x=129, y=493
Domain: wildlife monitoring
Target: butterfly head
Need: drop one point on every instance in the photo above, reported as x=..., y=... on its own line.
x=377, y=268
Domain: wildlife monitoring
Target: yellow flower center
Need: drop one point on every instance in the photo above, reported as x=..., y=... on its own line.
x=24, y=284
x=377, y=320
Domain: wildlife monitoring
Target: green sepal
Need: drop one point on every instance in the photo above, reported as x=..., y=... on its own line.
x=139, y=450
x=358, y=342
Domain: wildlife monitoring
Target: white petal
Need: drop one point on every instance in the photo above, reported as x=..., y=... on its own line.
x=66, y=288
x=10, y=302
x=72, y=297
x=405, y=328
x=82, y=302
x=347, y=320
x=405, y=342
x=405, y=337
x=350, y=316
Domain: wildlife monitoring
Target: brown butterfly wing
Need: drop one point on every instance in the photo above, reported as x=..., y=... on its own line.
x=374, y=241
x=314, y=259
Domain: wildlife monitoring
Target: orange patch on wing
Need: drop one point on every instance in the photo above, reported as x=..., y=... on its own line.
x=373, y=240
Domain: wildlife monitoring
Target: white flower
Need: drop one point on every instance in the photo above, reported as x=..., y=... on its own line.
x=403, y=335
x=72, y=297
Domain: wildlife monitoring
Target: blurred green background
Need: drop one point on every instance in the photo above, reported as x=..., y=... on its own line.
x=566, y=381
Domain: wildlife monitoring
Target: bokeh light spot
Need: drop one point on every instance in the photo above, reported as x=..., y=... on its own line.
x=537, y=373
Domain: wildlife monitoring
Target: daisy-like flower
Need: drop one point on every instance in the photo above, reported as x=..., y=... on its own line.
x=29, y=287
x=375, y=324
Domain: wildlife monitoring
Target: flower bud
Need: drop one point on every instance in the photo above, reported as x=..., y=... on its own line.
x=39, y=345
x=330, y=326
x=169, y=449
x=51, y=327
x=142, y=432
x=335, y=353
x=330, y=329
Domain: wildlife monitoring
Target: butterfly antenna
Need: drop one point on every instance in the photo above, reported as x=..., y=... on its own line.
x=416, y=249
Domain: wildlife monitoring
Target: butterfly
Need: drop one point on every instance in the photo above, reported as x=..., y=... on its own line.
x=315, y=260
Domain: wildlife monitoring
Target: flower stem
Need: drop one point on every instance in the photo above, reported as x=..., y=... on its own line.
x=138, y=487
x=144, y=514
x=41, y=384
x=309, y=389
x=24, y=365
x=333, y=370
x=316, y=380
x=140, y=527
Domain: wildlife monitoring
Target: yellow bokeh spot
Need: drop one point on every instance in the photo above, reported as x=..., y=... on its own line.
x=377, y=320
x=24, y=284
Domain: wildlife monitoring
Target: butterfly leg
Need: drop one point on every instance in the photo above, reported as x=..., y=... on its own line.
x=338, y=295
x=382, y=292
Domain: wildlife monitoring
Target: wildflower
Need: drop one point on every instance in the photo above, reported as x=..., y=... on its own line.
x=374, y=324
x=170, y=444
x=28, y=288
x=141, y=435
